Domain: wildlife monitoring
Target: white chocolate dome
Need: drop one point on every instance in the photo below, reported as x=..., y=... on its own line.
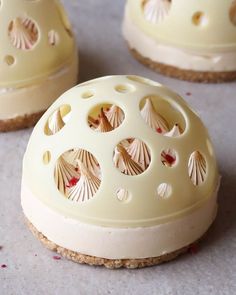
x=38, y=59
x=120, y=152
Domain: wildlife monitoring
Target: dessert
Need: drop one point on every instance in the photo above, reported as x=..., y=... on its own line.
x=119, y=172
x=189, y=40
x=38, y=60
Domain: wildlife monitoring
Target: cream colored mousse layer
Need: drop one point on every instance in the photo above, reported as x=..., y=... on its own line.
x=16, y=102
x=117, y=243
x=177, y=57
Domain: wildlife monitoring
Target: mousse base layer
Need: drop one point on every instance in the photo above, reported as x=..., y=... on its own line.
x=108, y=263
x=188, y=75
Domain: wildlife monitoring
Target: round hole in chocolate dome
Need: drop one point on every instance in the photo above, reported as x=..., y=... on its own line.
x=87, y=94
x=23, y=33
x=53, y=38
x=161, y=116
x=57, y=120
x=46, y=157
x=142, y=80
x=199, y=18
x=169, y=157
x=132, y=156
x=124, y=88
x=77, y=175
x=105, y=117
x=164, y=191
x=197, y=168
x=156, y=11
x=9, y=60
x=123, y=195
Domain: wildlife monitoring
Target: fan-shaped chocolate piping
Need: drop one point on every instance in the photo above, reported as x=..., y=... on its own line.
x=163, y=190
x=23, y=33
x=155, y=11
x=175, y=131
x=87, y=159
x=86, y=187
x=115, y=116
x=168, y=157
x=93, y=123
x=104, y=125
x=124, y=162
x=63, y=174
x=139, y=153
x=122, y=194
x=153, y=119
x=197, y=168
x=55, y=122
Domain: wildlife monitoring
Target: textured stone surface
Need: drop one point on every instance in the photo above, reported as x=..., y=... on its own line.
x=31, y=269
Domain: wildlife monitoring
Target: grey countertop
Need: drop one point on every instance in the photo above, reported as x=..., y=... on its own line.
x=31, y=268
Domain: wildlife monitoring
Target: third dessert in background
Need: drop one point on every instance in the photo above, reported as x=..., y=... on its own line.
x=190, y=40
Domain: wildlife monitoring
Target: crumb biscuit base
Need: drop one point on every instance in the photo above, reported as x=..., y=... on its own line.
x=188, y=75
x=20, y=122
x=108, y=263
